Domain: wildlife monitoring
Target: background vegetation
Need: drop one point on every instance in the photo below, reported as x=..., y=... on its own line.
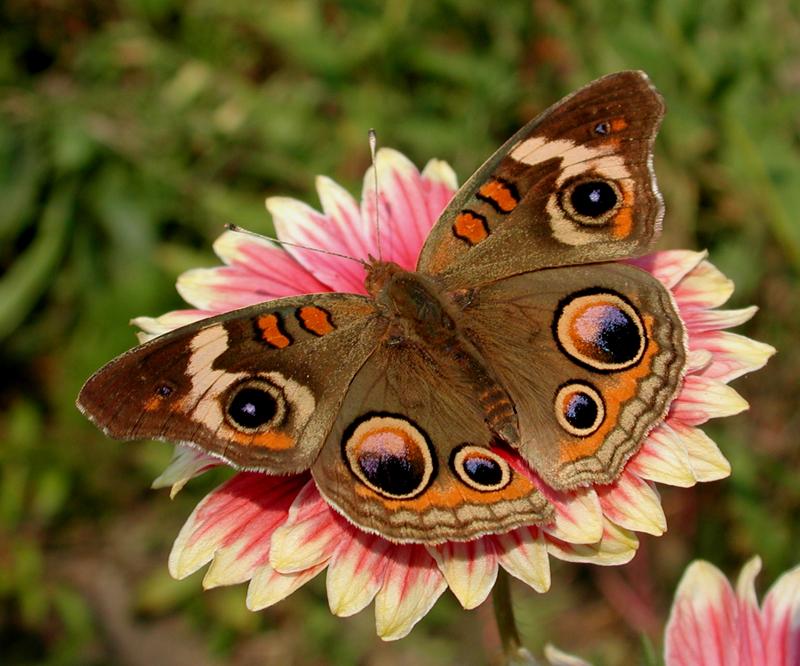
x=131, y=130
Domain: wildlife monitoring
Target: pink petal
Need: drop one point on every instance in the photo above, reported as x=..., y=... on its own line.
x=356, y=571
x=732, y=355
x=579, y=517
x=703, y=627
x=669, y=266
x=616, y=546
x=702, y=320
x=440, y=184
x=186, y=464
x=309, y=535
x=296, y=222
x=663, y=458
x=704, y=287
x=702, y=399
x=405, y=218
x=240, y=515
x=268, y=587
x=523, y=553
x=470, y=569
x=751, y=630
x=781, y=617
x=411, y=585
x=152, y=327
x=705, y=458
x=634, y=504
x=344, y=212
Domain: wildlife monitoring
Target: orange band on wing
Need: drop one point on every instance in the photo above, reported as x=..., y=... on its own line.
x=315, y=320
x=470, y=227
x=275, y=441
x=500, y=194
x=622, y=224
x=271, y=333
x=618, y=124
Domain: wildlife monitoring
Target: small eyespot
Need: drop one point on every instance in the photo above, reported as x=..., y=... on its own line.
x=480, y=468
x=579, y=408
x=591, y=202
x=600, y=330
x=164, y=390
x=255, y=405
x=602, y=128
x=390, y=455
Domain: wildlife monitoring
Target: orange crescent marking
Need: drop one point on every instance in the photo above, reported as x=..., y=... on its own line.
x=500, y=194
x=622, y=226
x=470, y=227
x=572, y=449
x=618, y=124
x=276, y=441
x=316, y=320
x=270, y=326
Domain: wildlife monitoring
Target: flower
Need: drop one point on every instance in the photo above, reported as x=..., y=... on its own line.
x=711, y=625
x=278, y=532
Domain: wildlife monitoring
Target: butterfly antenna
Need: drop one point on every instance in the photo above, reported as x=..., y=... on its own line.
x=241, y=230
x=373, y=143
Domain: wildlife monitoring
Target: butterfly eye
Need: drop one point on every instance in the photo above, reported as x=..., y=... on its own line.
x=390, y=455
x=600, y=330
x=480, y=468
x=255, y=405
x=579, y=408
x=591, y=202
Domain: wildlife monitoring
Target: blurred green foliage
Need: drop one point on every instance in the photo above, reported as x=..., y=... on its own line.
x=130, y=131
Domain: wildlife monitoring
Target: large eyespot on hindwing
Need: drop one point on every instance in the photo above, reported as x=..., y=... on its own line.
x=389, y=454
x=480, y=468
x=600, y=329
x=590, y=200
x=579, y=408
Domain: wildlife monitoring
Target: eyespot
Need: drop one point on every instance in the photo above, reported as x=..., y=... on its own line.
x=480, y=468
x=255, y=405
x=580, y=409
x=600, y=330
x=389, y=454
x=590, y=202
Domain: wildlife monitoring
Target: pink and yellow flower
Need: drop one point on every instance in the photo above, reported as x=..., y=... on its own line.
x=278, y=532
x=712, y=625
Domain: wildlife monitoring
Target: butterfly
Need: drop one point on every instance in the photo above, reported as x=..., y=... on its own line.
x=521, y=353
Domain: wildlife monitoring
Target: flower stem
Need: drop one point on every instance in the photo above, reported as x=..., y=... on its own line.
x=513, y=652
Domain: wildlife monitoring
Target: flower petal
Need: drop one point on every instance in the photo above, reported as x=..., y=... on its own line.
x=523, y=553
x=186, y=464
x=470, y=569
x=732, y=355
x=342, y=209
x=751, y=631
x=411, y=585
x=152, y=327
x=634, y=504
x=705, y=458
x=617, y=546
x=702, y=399
x=241, y=514
x=309, y=535
x=704, y=287
x=701, y=321
x=268, y=587
x=579, y=517
x=356, y=571
x=298, y=223
x=440, y=183
x=670, y=266
x=405, y=220
x=781, y=616
x=663, y=458
x=703, y=624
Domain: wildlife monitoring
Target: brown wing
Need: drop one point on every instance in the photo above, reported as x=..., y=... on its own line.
x=575, y=185
x=257, y=387
x=591, y=357
x=410, y=455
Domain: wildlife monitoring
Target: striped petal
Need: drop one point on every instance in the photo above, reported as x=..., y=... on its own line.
x=701, y=321
x=411, y=585
x=440, y=184
x=617, y=546
x=663, y=458
x=309, y=535
x=579, y=516
x=670, y=266
x=342, y=209
x=356, y=571
x=781, y=616
x=703, y=624
x=470, y=569
x=751, y=631
x=152, y=327
x=732, y=355
x=705, y=458
x=705, y=286
x=523, y=553
x=268, y=587
x=240, y=515
x=186, y=464
x=702, y=399
x=634, y=504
